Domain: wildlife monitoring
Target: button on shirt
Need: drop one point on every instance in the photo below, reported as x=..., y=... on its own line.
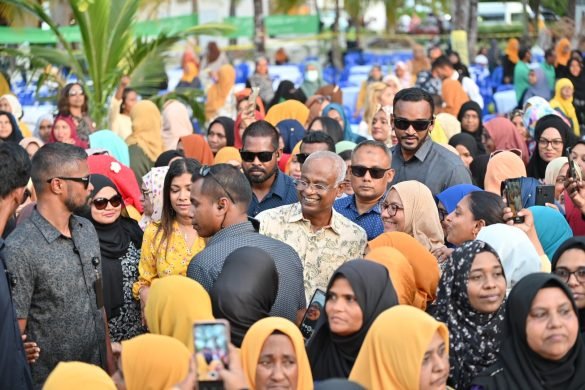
x=207, y=264
x=55, y=293
x=433, y=165
x=321, y=252
x=281, y=193
x=370, y=221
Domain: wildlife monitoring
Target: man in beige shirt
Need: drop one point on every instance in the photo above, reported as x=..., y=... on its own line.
x=323, y=238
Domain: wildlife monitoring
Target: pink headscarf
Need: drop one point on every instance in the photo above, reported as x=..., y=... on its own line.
x=505, y=136
x=69, y=120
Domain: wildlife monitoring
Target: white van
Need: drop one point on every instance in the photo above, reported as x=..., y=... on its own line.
x=508, y=12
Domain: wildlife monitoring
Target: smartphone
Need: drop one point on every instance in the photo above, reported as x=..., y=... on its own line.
x=211, y=340
x=572, y=172
x=314, y=312
x=513, y=193
x=252, y=99
x=545, y=194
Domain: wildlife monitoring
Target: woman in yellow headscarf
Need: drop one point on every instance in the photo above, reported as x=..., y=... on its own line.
x=220, y=96
x=174, y=304
x=268, y=339
x=228, y=155
x=78, y=375
x=563, y=101
x=400, y=271
x=290, y=109
x=393, y=355
x=152, y=361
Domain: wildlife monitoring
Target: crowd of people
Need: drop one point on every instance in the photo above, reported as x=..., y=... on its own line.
x=115, y=242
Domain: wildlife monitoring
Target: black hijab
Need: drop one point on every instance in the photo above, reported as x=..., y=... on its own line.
x=287, y=91
x=338, y=384
x=333, y=356
x=518, y=366
x=16, y=136
x=466, y=140
x=228, y=127
x=114, y=240
x=478, y=168
x=330, y=126
x=577, y=242
x=473, y=106
x=537, y=166
x=245, y=290
x=164, y=159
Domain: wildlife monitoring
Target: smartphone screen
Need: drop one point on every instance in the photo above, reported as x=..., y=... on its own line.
x=314, y=312
x=513, y=194
x=211, y=339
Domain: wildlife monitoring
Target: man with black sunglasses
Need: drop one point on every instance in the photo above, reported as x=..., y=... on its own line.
x=417, y=156
x=260, y=154
x=370, y=173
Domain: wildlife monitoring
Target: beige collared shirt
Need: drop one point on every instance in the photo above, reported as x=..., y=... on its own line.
x=321, y=252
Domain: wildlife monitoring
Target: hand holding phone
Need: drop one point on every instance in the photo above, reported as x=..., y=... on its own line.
x=211, y=341
x=572, y=172
x=315, y=310
x=252, y=101
x=512, y=191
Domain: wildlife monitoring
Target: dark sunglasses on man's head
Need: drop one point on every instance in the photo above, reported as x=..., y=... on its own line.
x=205, y=171
x=375, y=173
x=251, y=156
x=302, y=157
x=418, y=125
x=102, y=203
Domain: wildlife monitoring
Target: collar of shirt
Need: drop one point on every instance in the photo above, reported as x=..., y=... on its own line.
x=279, y=186
x=49, y=231
x=422, y=153
x=232, y=231
x=351, y=203
x=296, y=215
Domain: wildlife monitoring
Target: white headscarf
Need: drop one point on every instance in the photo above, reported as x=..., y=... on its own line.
x=14, y=104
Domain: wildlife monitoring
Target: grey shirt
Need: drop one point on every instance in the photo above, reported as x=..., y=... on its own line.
x=207, y=264
x=433, y=165
x=54, y=291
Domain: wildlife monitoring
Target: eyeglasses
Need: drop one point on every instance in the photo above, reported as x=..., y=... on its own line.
x=251, y=156
x=554, y=142
x=418, y=125
x=84, y=180
x=206, y=171
x=302, y=157
x=375, y=173
x=75, y=92
x=391, y=208
x=517, y=152
x=302, y=185
x=565, y=274
x=442, y=214
x=102, y=203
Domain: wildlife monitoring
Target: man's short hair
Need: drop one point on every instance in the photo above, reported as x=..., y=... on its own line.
x=54, y=160
x=15, y=168
x=373, y=144
x=414, y=94
x=262, y=129
x=338, y=163
x=319, y=137
x=441, y=62
x=549, y=52
x=224, y=180
x=522, y=52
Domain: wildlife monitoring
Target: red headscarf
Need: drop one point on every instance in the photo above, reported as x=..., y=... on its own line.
x=505, y=136
x=237, y=138
x=122, y=176
x=195, y=146
x=69, y=120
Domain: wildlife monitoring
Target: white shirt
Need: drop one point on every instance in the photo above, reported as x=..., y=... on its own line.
x=470, y=88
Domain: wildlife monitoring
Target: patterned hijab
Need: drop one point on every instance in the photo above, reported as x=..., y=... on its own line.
x=474, y=339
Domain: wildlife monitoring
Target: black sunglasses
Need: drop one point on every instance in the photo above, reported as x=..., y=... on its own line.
x=205, y=171
x=302, y=157
x=102, y=203
x=375, y=173
x=251, y=156
x=418, y=125
x=84, y=180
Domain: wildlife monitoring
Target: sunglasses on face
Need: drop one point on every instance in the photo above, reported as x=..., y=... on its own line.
x=251, y=156
x=517, y=152
x=302, y=157
x=76, y=92
x=418, y=125
x=84, y=180
x=102, y=203
x=375, y=173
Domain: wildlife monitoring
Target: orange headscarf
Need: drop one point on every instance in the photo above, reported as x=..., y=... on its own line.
x=400, y=271
x=195, y=146
x=512, y=50
x=563, y=52
x=190, y=66
x=424, y=265
x=218, y=92
x=290, y=109
x=504, y=165
x=454, y=96
x=226, y=154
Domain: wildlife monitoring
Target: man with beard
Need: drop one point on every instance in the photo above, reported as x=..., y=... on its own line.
x=260, y=153
x=54, y=259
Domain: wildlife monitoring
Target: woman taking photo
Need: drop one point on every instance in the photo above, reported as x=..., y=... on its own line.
x=357, y=293
x=169, y=245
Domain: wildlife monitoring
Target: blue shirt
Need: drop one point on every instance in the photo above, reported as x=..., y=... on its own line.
x=281, y=193
x=370, y=221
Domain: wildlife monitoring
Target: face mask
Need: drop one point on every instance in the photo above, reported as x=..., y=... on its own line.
x=312, y=75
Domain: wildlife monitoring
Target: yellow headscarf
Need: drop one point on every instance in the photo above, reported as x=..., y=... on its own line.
x=153, y=362
x=392, y=353
x=254, y=342
x=566, y=105
x=146, y=129
x=512, y=50
x=448, y=123
x=563, y=52
x=400, y=271
x=438, y=134
x=290, y=109
x=174, y=304
x=219, y=92
x=78, y=375
x=227, y=153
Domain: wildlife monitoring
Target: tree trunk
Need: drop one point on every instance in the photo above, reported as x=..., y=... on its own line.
x=259, y=35
x=232, y=13
x=525, y=23
x=460, y=20
x=572, y=9
x=391, y=9
x=472, y=31
x=335, y=49
x=536, y=9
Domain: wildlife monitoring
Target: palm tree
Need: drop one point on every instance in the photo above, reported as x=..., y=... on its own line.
x=109, y=48
x=259, y=30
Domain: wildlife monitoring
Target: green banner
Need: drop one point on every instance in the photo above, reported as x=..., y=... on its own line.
x=244, y=26
x=278, y=25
